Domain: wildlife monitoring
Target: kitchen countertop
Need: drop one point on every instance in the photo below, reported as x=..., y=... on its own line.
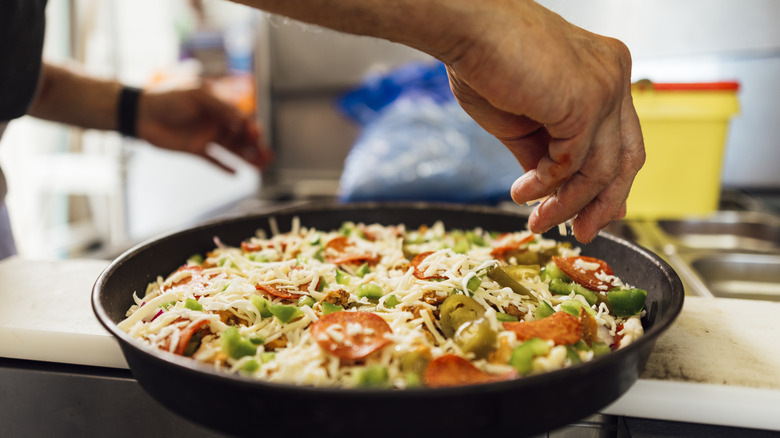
x=718, y=364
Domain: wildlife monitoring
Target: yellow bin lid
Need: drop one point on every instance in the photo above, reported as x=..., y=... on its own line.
x=685, y=101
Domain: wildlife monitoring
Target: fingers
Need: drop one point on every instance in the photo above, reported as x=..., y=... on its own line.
x=597, y=191
x=250, y=145
x=577, y=172
x=577, y=177
x=611, y=203
x=237, y=132
x=219, y=164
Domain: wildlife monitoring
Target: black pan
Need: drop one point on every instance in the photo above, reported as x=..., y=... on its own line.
x=240, y=406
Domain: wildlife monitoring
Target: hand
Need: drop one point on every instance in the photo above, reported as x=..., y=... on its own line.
x=189, y=120
x=559, y=98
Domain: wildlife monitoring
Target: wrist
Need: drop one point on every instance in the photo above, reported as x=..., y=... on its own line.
x=127, y=111
x=442, y=29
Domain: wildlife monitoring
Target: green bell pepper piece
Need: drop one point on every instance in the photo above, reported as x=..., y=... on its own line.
x=573, y=355
x=342, y=277
x=372, y=291
x=474, y=283
x=250, y=366
x=257, y=257
x=262, y=305
x=306, y=300
x=285, y=313
x=391, y=301
x=412, y=380
x=235, y=346
x=363, y=270
x=560, y=287
x=330, y=308
x=461, y=246
x=524, y=354
x=373, y=376
x=225, y=262
x=600, y=348
x=551, y=270
x=543, y=310
x=192, y=304
x=475, y=238
x=573, y=307
x=627, y=302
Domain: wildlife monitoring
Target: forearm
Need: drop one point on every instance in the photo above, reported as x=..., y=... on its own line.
x=436, y=27
x=67, y=97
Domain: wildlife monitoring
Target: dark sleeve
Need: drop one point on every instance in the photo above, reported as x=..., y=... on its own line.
x=22, y=25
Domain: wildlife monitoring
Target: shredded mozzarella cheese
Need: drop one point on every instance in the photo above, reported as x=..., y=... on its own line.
x=240, y=287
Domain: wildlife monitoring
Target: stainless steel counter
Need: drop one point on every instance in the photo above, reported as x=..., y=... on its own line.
x=728, y=254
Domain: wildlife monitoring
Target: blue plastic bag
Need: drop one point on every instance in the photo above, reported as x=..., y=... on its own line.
x=417, y=144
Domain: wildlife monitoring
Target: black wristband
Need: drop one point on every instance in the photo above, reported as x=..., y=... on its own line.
x=127, y=111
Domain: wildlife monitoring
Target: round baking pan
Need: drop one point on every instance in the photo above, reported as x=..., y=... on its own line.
x=241, y=406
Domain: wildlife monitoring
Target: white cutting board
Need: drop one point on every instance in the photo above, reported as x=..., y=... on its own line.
x=46, y=313
x=719, y=363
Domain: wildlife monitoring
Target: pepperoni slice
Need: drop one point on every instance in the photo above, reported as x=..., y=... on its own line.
x=501, y=252
x=187, y=333
x=251, y=247
x=336, y=253
x=271, y=290
x=196, y=277
x=562, y=328
x=585, y=277
x=305, y=287
x=351, y=335
x=453, y=370
x=371, y=259
x=339, y=244
x=416, y=261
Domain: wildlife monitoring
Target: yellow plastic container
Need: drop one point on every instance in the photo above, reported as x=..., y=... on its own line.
x=684, y=128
